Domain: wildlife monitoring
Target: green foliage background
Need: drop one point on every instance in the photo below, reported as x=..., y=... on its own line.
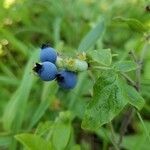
x=29, y=105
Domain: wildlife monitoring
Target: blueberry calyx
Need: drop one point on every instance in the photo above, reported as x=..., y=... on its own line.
x=45, y=46
x=37, y=67
x=59, y=77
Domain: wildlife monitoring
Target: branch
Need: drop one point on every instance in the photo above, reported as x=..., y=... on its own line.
x=126, y=121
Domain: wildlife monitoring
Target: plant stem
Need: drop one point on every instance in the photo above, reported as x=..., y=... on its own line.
x=130, y=113
x=104, y=145
x=126, y=121
x=145, y=128
x=113, y=139
x=133, y=83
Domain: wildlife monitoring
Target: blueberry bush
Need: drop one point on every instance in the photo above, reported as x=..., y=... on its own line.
x=74, y=75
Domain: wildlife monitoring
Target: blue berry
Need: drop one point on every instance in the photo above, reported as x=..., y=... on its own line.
x=66, y=79
x=48, y=54
x=47, y=71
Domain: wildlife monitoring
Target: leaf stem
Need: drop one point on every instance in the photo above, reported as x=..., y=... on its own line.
x=113, y=139
x=133, y=83
x=126, y=121
x=145, y=128
x=101, y=67
x=130, y=113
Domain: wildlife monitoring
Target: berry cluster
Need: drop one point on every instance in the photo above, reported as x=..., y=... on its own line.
x=48, y=71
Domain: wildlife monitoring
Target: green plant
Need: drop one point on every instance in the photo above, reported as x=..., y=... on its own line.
x=109, y=106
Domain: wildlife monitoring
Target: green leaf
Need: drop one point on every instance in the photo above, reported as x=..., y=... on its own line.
x=125, y=66
x=130, y=142
x=137, y=142
x=43, y=128
x=102, y=57
x=61, y=135
x=62, y=130
x=33, y=142
x=49, y=91
x=134, y=24
x=5, y=140
x=91, y=38
x=8, y=81
x=19, y=46
x=108, y=100
x=76, y=105
x=144, y=126
x=76, y=147
x=15, y=109
x=134, y=97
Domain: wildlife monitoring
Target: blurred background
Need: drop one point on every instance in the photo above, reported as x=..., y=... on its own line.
x=26, y=24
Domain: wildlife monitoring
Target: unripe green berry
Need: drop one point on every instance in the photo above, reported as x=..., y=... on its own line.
x=60, y=62
x=81, y=65
x=75, y=65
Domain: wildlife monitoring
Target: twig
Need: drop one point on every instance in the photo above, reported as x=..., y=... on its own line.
x=133, y=56
x=140, y=62
x=126, y=121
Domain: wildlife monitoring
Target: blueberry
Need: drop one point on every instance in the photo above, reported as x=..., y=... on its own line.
x=47, y=71
x=66, y=79
x=48, y=54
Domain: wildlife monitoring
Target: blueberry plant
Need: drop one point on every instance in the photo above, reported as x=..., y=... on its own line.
x=113, y=90
x=88, y=97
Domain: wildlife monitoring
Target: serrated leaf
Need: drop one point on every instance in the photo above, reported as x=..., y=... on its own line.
x=91, y=38
x=134, y=24
x=33, y=142
x=134, y=97
x=102, y=57
x=108, y=100
x=125, y=66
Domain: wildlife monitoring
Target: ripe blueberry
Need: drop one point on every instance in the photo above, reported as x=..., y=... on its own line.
x=48, y=54
x=66, y=79
x=47, y=71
